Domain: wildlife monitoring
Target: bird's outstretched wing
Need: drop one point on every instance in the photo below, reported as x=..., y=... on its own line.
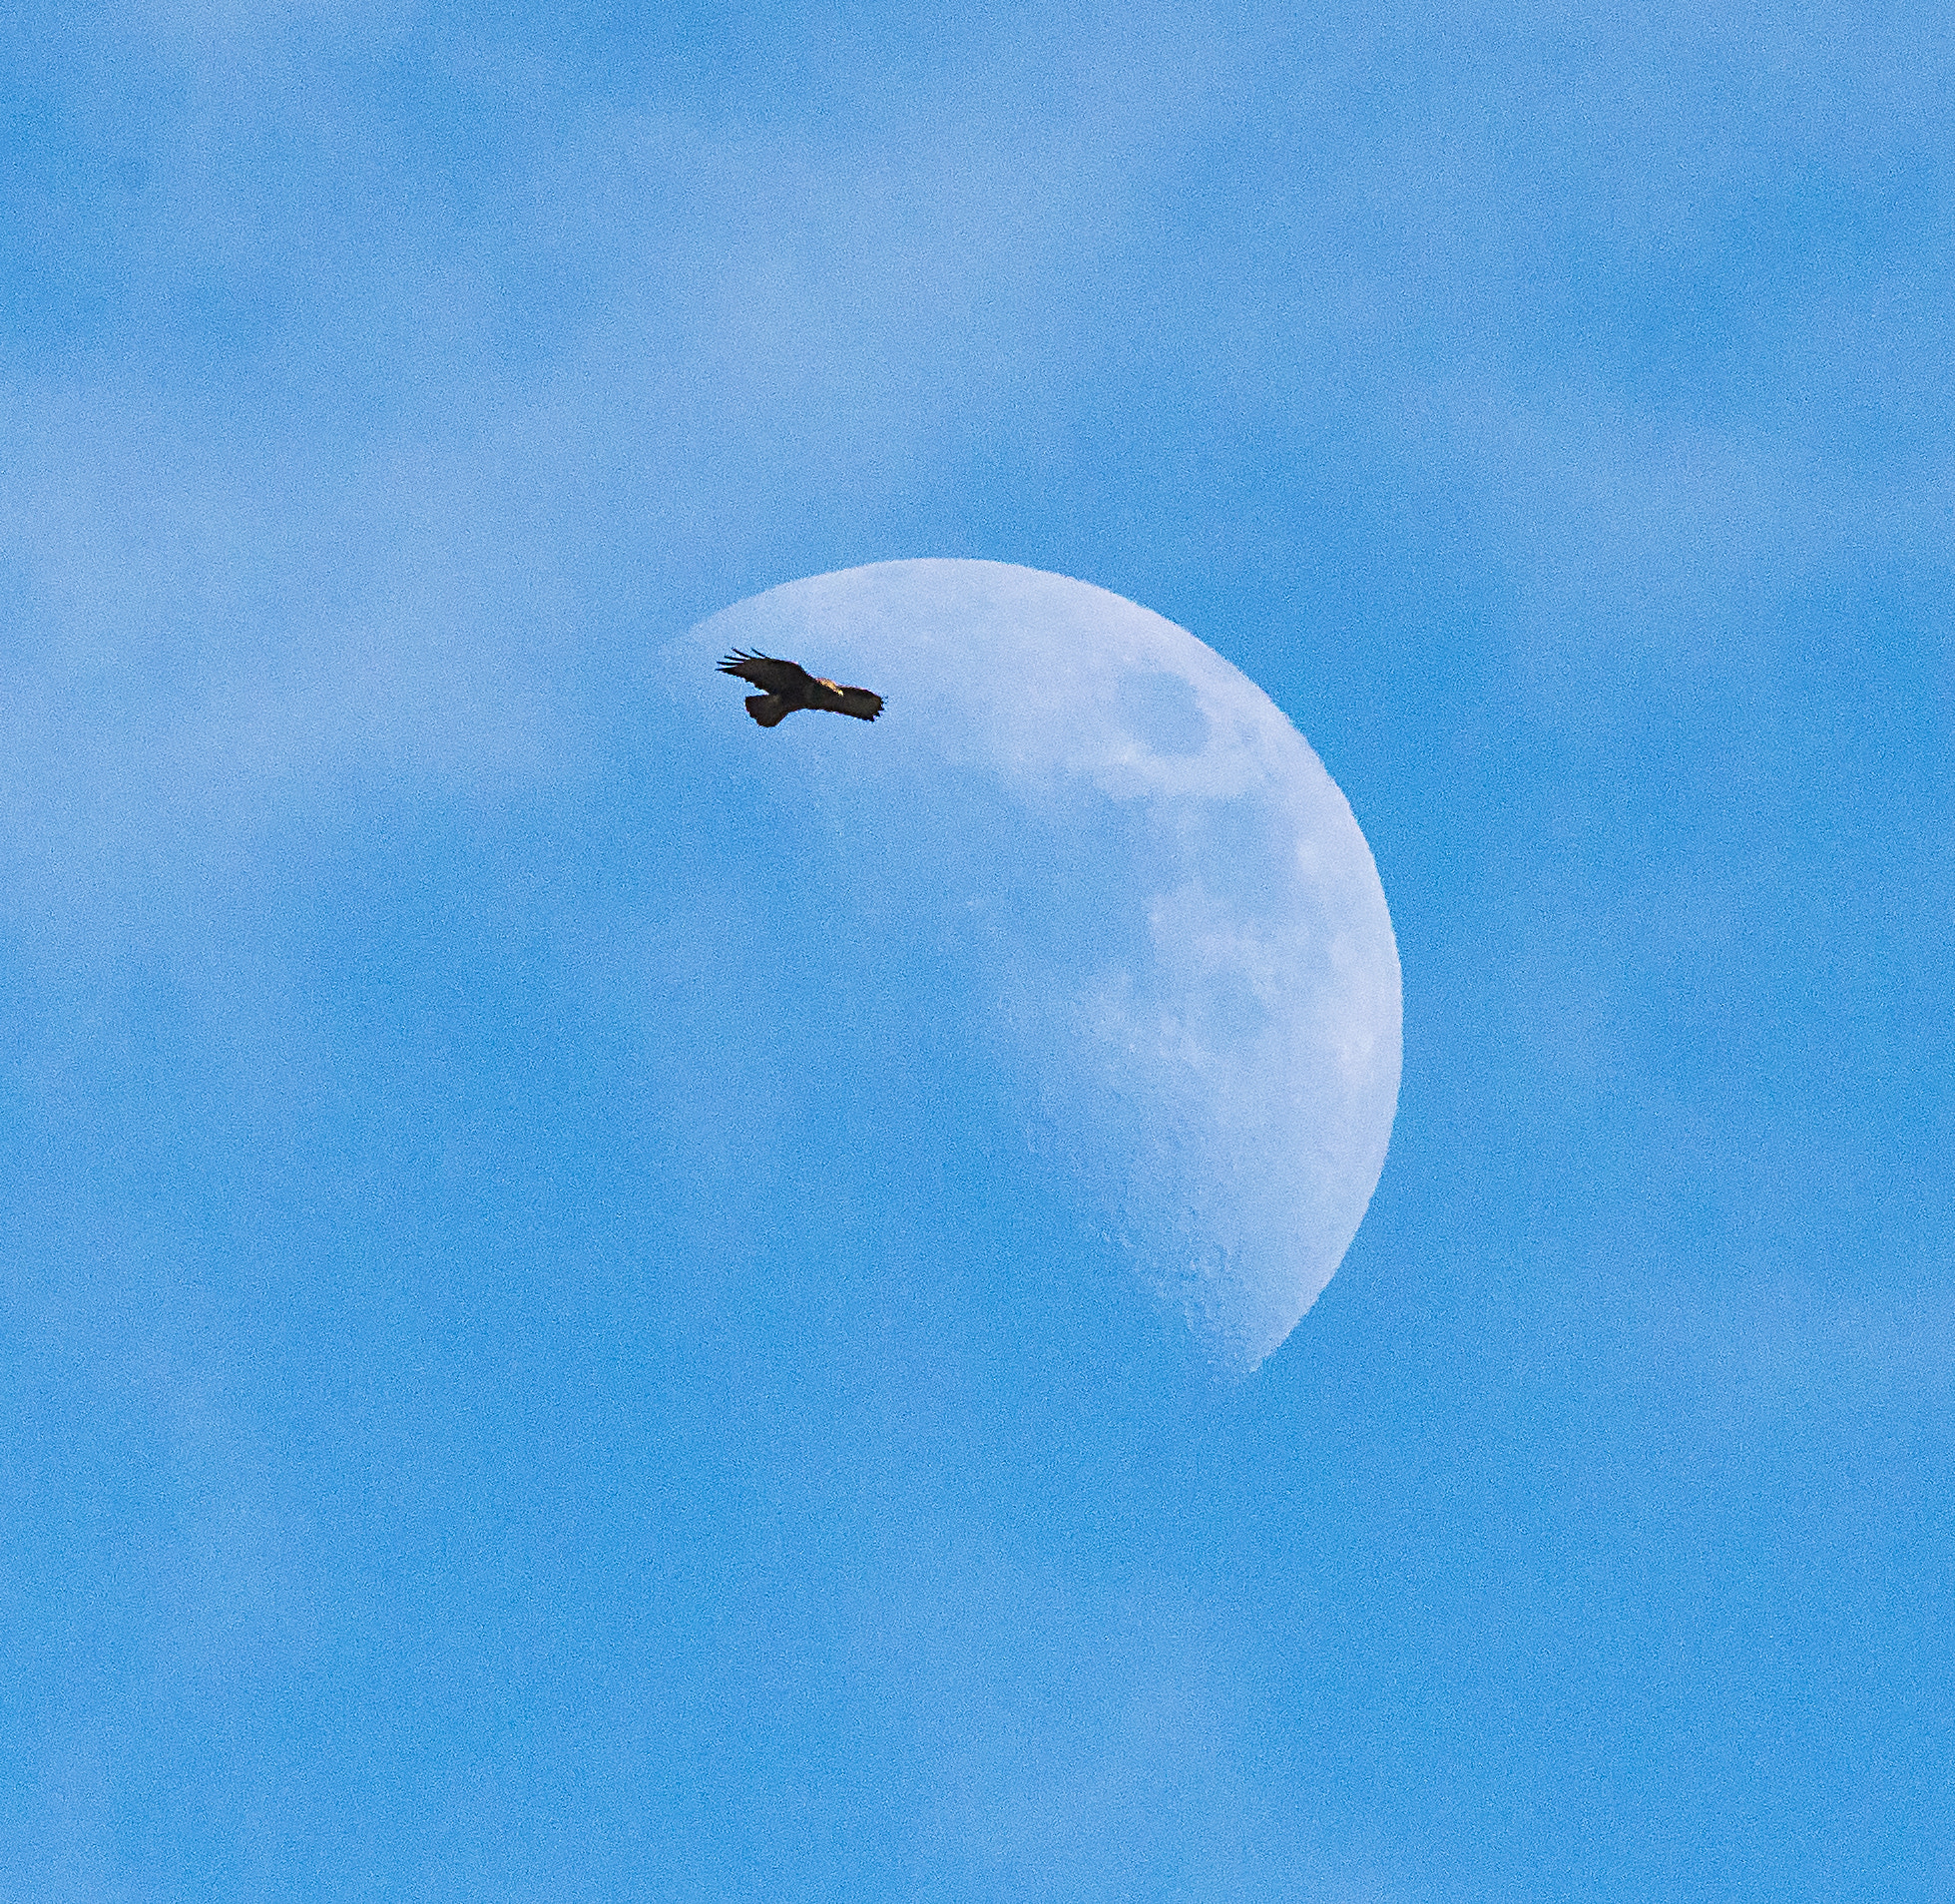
x=858, y=701
x=785, y=678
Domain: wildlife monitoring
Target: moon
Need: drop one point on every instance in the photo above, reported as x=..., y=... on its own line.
x=1168, y=922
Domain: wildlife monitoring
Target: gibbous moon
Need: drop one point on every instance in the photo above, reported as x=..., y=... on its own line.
x=1175, y=935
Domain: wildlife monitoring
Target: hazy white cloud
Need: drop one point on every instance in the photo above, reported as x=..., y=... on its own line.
x=1116, y=1756
x=1632, y=546
x=207, y=638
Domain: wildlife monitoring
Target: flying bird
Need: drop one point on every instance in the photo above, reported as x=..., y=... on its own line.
x=787, y=686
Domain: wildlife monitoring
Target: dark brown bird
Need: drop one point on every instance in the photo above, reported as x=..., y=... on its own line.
x=788, y=686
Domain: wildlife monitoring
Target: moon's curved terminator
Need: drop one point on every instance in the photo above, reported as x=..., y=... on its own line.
x=787, y=686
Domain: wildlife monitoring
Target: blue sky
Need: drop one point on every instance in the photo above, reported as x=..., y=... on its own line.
x=483, y=1416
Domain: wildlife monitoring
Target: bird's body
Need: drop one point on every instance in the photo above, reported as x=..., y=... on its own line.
x=785, y=685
